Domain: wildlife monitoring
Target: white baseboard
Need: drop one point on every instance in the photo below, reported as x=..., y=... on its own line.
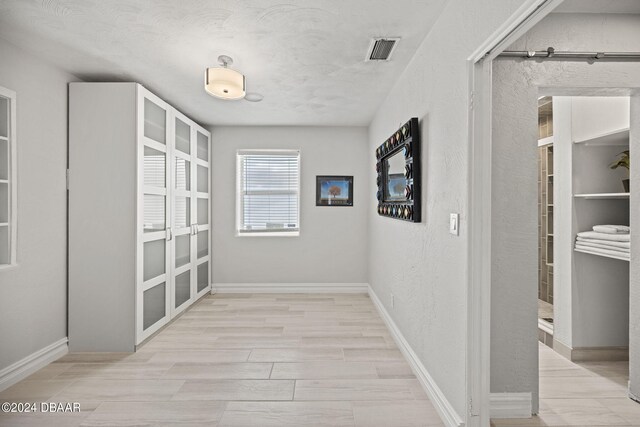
x=510, y=405
x=284, y=288
x=449, y=416
x=591, y=354
x=30, y=364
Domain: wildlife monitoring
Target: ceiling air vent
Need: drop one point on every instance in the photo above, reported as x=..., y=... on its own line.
x=381, y=49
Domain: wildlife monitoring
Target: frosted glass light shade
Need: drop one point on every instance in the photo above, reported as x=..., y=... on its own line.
x=224, y=83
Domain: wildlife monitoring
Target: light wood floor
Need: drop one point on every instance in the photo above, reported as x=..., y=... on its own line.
x=584, y=394
x=242, y=360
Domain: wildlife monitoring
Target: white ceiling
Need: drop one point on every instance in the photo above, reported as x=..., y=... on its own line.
x=305, y=56
x=599, y=6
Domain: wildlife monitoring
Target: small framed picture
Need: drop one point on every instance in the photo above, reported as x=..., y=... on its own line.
x=334, y=190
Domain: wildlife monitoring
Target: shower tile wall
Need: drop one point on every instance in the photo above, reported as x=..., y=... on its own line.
x=545, y=202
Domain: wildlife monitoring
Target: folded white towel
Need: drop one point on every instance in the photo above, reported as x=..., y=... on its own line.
x=623, y=245
x=611, y=229
x=601, y=246
x=605, y=236
x=603, y=252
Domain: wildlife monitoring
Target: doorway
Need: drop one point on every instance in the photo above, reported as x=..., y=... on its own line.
x=512, y=266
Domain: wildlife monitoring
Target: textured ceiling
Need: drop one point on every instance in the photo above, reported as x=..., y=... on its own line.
x=306, y=56
x=599, y=6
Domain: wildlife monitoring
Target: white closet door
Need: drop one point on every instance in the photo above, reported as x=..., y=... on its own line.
x=183, y=206
x=154, y=215
x=203, y=217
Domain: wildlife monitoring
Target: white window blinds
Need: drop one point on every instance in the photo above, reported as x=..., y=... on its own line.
x=268, y=191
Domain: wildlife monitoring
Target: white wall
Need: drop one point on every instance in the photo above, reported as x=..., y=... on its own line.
x=332, y=246
x=429, y=275
x=514, y=356
x=33, y=296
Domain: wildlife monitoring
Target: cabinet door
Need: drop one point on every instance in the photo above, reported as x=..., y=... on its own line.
x=203, y=214
x=183, y=206
x=154, y=216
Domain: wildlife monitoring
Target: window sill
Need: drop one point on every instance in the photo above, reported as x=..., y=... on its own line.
x=7, y=267
x=270, y=234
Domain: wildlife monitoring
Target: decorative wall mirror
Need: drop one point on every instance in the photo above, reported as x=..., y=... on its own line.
x=398, y=167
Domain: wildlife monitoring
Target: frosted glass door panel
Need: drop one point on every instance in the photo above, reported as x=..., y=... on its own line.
x=183, y=137
x=4, y=202
x=203, y=276
x=4, y=117
x=183, y=174
x=203, y=147
x=154, y=259
x=203, y=211
x=153, y=305
x=182, y=214
x=203, y=179
x=203, y=244
x=155, y=122
x=183, y=250
x=154, y=168
x=183, y=288
x=4, y=244
x=4, y=159
x=154, y=213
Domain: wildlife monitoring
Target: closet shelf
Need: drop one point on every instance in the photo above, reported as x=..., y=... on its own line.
x=599, y=254
x=619, y=137
x=602, y=196
x=545, y=141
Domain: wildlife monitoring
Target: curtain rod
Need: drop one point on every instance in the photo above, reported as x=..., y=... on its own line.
x=551, y=53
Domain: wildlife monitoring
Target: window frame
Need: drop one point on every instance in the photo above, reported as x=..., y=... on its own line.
x=239, y=195
x=12, y=176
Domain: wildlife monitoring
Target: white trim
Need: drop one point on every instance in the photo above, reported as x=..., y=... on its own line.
x=479, y=201
x=264, y=233
x=32, y=363
x=545, y=326
x=545, y=141
x=510, y=405
x=450, y=417
x=284, y=288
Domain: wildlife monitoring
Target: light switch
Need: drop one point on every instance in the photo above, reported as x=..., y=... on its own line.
x=454, y=224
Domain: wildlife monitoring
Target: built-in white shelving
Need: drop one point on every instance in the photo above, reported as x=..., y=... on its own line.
x=602, y=196
x=8, y=195
x=545, y=141
x=601, y=254
x=619, y=137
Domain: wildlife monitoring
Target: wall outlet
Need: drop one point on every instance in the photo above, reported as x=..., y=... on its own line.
x=393, y=301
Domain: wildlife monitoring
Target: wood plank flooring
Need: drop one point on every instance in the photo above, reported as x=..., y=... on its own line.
x=580, y=394
x=242, y=360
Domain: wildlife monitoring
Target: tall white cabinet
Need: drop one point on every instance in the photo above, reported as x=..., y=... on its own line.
x=139, y=218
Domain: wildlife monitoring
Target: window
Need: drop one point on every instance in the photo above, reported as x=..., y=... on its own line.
x=8, y=175
x=268, y=196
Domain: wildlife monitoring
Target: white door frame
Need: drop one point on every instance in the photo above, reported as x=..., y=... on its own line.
x=479, y=66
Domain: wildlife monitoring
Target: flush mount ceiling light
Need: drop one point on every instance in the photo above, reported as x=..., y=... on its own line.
x=223, y=82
